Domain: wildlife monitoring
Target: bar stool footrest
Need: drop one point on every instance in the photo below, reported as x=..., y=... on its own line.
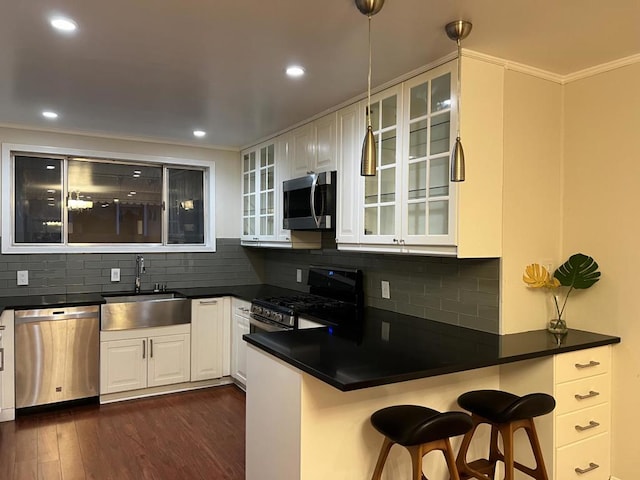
x=483, y=466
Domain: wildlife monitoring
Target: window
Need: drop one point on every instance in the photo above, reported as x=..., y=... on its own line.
x=105, y=203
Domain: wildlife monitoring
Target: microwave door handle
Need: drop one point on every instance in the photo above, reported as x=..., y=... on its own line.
x=314, y=184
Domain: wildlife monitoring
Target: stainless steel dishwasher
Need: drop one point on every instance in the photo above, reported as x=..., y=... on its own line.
x=56, y=354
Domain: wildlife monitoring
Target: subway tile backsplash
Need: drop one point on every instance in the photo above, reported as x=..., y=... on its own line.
x=460, y=292
x=91, y=272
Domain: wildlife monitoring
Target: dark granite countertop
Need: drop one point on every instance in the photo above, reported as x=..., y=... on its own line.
x=244, y=292
x=391, y=347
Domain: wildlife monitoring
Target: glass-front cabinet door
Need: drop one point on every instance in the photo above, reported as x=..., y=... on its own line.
x=427, y=209
x=382, y=202
x=258, y=193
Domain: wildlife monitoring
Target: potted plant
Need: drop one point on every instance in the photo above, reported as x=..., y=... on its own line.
x=579, y=272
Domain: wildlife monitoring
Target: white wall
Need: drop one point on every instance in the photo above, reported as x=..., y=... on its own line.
x=532, y=200
x=227, y=165
x=602, y=198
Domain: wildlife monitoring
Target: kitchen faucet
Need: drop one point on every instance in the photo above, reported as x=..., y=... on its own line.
x=139, y=271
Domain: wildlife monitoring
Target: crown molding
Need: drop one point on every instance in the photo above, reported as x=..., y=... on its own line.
x=605, y=67
x=515, y=66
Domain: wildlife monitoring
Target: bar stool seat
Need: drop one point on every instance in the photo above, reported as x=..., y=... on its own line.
x=506, y=413
x=420, y=430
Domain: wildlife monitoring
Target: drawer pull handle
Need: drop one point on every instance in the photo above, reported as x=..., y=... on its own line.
x=592, y=363
x=591, y=425
x=208, y=302
x=591, y=394
x=592, y=466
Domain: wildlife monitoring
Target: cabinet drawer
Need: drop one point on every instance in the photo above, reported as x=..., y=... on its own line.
x=587, y=392
x=582, y=364
x=590, y=457
x=582, y=424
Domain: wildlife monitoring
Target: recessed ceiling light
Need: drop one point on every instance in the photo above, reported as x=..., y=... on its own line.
x=50, y=114
x=199, y=133
x=51, y=167
x=51, y=191
x=63, y=24
x=132, y=193
x=295, y=71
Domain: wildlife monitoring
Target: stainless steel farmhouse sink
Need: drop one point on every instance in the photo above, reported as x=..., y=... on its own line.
x=127, y=311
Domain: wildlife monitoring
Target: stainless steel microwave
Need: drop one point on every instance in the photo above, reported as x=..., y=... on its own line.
x=310, y=202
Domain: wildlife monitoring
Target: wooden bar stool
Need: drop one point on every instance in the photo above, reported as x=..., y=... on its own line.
x=506, y=413
x=420, y=430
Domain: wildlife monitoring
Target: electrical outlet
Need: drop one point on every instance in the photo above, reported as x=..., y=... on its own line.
x=384, y=333
x=23, y=277
x=385, y=289
x=115, y=274
x=299, y=275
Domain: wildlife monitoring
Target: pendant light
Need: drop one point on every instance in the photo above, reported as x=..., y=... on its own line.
x=368, y=160
x=458, y=30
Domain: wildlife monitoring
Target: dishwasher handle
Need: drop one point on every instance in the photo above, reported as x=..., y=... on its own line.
x=52, y=314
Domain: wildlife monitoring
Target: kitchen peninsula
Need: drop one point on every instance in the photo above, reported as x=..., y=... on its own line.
x=311, y=392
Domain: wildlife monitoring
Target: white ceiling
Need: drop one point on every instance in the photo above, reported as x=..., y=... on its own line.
x=159, y=69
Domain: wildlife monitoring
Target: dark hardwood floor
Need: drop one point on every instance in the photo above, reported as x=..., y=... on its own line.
x=192, y=435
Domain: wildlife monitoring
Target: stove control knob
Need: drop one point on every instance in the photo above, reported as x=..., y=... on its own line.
x=256, y=309
x=278, y=317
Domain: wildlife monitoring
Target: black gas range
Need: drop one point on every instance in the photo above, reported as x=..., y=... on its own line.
x=335, y=295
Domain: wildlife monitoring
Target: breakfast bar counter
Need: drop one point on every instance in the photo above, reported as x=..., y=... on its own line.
x=387, y=347
x=310, y=393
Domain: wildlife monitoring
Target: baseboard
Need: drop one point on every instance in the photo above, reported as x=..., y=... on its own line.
x=7, y=414
x=175, y=388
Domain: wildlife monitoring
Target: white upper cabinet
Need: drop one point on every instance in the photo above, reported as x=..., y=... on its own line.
x=411, y=206
x=259, y=193
x=350, y=129
x=313, y=147
x=264, y=168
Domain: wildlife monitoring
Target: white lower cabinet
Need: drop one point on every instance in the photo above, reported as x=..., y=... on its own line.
x=576, y=436
x=210, y=338
x=240, y=326
x=583, y=414
x=142, y=358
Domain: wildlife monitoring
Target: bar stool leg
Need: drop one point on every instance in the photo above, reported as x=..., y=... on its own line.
x=540, y=472
x=382, y=458
x=451, y=460
x=506, y=430
x=494, y=452
x=416, y=453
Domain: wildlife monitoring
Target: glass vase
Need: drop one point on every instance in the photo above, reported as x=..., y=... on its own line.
x=557, y=326
x=557, y=323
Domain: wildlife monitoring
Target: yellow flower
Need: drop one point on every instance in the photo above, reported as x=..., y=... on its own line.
x=537, y=276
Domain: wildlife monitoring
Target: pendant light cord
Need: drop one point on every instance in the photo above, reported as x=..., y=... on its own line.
x=458, y=84
x=369, y=80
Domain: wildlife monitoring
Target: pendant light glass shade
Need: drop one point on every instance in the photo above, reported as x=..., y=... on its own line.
x=368, y=161
x=458, y=31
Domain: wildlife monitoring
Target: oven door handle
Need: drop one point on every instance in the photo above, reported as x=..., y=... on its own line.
x=266, y=326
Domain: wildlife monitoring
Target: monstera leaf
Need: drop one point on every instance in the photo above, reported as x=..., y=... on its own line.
x=580, y=271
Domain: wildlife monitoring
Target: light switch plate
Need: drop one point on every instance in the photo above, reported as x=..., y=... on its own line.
x=115, y=274
x=23, y=277
x=385, y=289
x=299, y=275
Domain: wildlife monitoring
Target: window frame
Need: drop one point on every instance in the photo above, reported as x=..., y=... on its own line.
x=8, y=202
